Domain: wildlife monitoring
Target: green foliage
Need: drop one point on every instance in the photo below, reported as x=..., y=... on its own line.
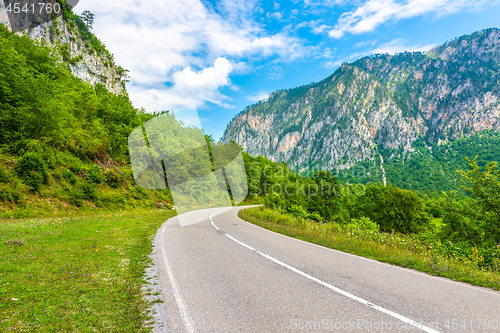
x=4, y=175
x=41, y=101
x=88, y=191
x=32, y=169
x=393, y=209
x=76, y=198
x=112, y=178
x=84, y=191
x=95, y=175
x=70, y=176
x=477, y=219
x=363, y=223
x=431, y=168
x=10, y=194
x=297, y=211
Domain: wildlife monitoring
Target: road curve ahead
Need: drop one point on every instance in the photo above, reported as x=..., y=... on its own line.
x=226, y=275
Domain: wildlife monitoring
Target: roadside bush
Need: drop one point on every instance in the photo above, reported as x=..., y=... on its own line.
x=297, y=211
x=88, y=192
x=363, y=223
x=70, y=176
x=76, y=198
x=9, y=194
x=84, y=191
x=32, y=169
x=315, y=216
x=95, y=175
x=483, y=186
x=4, y=175
x=392, y=208
x=112, y=178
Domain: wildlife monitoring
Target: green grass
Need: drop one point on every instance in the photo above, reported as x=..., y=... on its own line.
x=420, y=252
x=76, y=274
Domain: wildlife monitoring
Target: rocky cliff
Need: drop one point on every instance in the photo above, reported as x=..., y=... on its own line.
x=379, y=102
x=71, y=41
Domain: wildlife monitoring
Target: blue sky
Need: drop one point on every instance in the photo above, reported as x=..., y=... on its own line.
x=224, y=55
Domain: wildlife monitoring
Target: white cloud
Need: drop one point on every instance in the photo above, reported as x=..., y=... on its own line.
x=365, y=43
x=207, y=81
x=274, y=15
x=398, y=46
x=392, y=47
x=258, y=97
x=319, y=30
x=374, y=13
x=188, y=88
x=186, y=45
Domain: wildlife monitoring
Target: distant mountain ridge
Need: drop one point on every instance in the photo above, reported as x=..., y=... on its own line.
x=381, y=102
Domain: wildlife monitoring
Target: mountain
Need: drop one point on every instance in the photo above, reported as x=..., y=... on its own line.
x=72, y=41
x=384, y=110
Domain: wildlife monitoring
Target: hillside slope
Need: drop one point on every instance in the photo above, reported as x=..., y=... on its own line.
x=63, y=142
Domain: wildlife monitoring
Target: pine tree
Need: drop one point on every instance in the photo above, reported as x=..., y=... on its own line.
x=88, y=18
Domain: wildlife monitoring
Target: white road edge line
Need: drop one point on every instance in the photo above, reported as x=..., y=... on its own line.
x=186, y=317
x=408, y=270
x=338, y=290
x=216, y=227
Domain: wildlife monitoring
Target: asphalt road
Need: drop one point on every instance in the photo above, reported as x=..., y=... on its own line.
x=226, y=275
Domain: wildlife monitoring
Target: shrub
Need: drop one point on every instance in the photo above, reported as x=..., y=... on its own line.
x=315, y=216
x=95, y=174
x=9, y=194
x=112, y=178
x=129, y=175
x=297, y=211
x=88, y=192
x=32, y=169
x=392, y=208
x=70, y=176
x=85, y=191
x=363, y=223
x=4, y=175
x=76, y=198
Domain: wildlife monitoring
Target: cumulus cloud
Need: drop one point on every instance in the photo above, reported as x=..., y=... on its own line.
x=399, y=45
x=188, y=87
x=373, y=13
x=181, y=52
x=204, y=84
x=258, y=97
x=395, y=46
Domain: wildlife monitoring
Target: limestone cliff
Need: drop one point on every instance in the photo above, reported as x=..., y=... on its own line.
x=74, y=44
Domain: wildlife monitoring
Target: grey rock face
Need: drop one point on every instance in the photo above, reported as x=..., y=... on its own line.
x=86, y=64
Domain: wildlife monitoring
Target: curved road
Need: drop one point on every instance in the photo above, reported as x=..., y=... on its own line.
x=226, y=275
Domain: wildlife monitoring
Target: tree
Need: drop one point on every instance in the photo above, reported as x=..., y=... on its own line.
x=88, y=18
x=392, y=208
x=325, y=201
x=484, y=187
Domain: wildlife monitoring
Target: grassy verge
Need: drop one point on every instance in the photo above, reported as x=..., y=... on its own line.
x=411, y=251
x=76, y=274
